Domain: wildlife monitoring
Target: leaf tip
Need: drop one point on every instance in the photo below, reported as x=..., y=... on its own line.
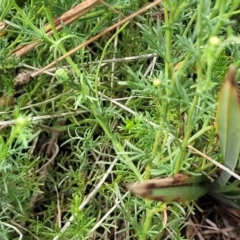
x=231, y=76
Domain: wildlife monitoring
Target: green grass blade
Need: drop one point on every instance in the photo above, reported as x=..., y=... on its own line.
x=228, y=124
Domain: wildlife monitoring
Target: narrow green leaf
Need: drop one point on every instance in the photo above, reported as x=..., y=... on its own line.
x=224, y=199
x=228, y=187
x=228, y=125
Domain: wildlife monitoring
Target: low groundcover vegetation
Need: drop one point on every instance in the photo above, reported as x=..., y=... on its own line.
x=98, y=95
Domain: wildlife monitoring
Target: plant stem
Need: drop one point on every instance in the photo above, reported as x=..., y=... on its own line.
x=56, y=35
x=190, y=119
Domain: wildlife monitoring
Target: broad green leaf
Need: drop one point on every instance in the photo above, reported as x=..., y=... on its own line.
x=179, y=188
x=228, y=125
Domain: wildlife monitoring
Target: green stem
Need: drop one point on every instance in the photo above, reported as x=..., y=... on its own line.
x=168, y=62
x=199, y=39
x=199, y=134
x=147, y=224
x=188, y=132
x=159, y=208
x=168, y=75
x=5, y=9
x=60, y=46
x=222, y=9
x=190, y=119
x=189, y=24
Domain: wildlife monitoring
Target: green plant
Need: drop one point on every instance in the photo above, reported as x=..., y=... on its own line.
x=181, y=187
x=121, y=109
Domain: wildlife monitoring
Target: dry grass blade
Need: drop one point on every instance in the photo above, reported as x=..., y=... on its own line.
x=89, y=197
x=216, y=221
